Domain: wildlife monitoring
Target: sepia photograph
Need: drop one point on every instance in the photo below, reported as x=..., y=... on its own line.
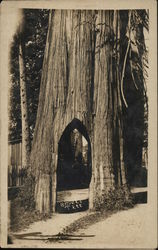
x=79, y=166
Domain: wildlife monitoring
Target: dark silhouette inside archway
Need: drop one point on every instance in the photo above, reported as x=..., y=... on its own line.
x=74, y=167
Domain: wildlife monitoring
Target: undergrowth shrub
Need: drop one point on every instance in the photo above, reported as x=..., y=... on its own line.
x=22, y=209
x=25, y=196
x=114, y=199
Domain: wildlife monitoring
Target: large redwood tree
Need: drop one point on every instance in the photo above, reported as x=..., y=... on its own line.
x=82, y=81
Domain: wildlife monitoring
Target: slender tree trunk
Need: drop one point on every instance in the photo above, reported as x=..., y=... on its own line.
x=24, y=112
x=142, y=75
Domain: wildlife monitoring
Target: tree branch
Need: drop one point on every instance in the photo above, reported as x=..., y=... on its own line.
x=124, y=63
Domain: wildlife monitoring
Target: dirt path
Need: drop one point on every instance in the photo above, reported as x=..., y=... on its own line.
x=41, y=230
x=124, y=229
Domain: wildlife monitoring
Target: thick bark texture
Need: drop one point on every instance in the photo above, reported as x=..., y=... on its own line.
x=118, y=74
x=102, y=177
x=76, y=87
x=24, y=112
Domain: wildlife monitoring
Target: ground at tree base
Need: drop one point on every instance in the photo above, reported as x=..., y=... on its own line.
x=127, y=228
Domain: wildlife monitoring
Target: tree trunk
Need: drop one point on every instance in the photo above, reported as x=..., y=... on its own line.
x=118, y=74
x=24, y=112
x=102, y=177
x=76, y=86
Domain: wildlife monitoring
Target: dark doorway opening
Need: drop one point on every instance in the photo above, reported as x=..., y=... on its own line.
x=73, y=169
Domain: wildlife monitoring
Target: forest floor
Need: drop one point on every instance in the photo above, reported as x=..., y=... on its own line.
x=124, y=229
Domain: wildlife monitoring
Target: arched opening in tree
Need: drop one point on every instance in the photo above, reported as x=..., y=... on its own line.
x=74, y=168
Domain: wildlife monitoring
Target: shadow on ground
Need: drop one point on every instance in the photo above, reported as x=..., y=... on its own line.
x=140, y=198
x=50, y=238
x=139, y=195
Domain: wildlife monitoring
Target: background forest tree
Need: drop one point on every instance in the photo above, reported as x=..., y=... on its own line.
x=33, y=38
x=116, y=41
